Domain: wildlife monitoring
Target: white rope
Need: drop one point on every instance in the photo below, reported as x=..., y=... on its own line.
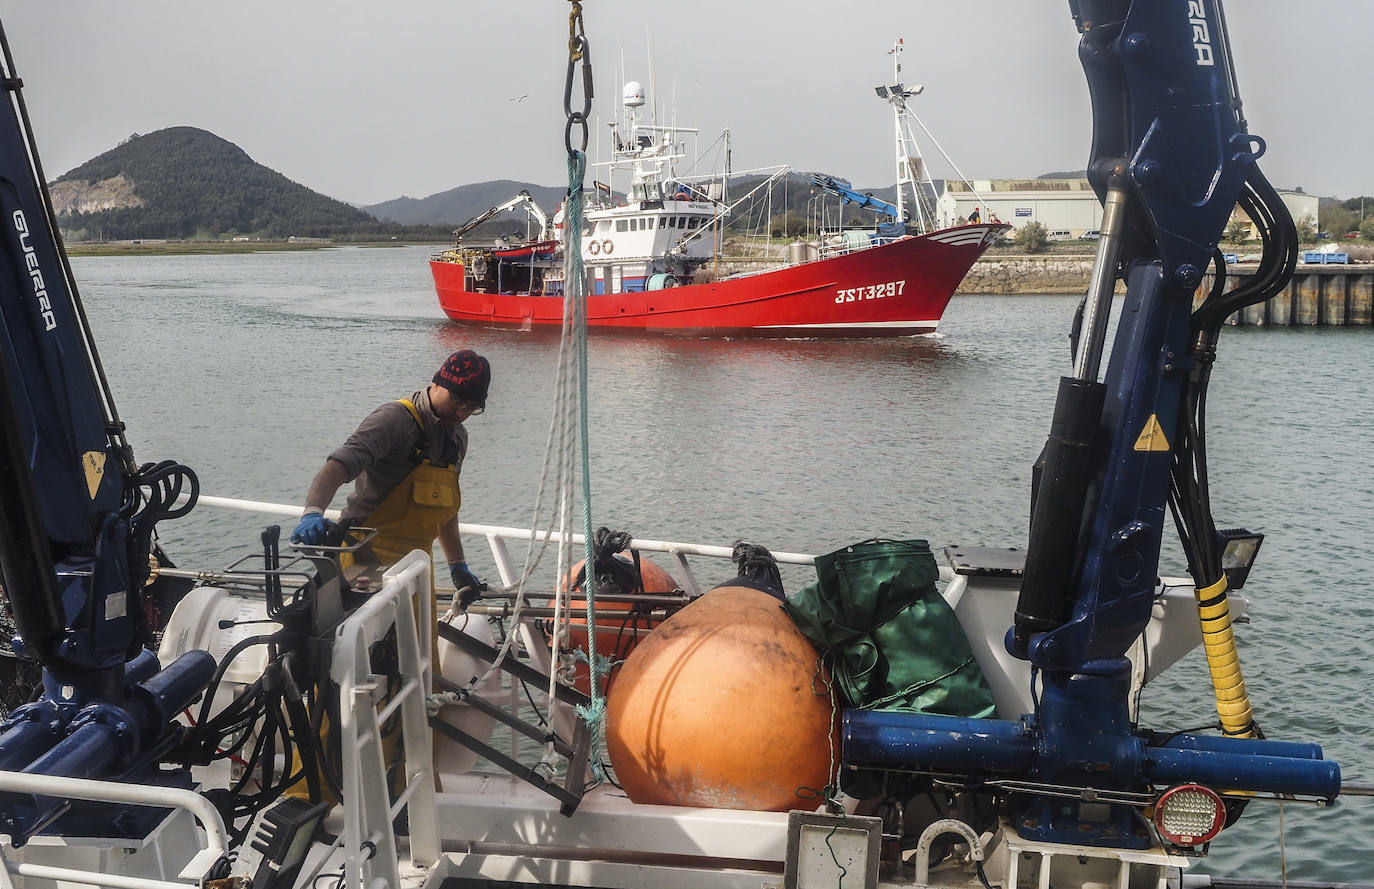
x=559, y=456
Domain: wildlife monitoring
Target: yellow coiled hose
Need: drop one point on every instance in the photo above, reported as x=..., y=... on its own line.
x=1233, y=703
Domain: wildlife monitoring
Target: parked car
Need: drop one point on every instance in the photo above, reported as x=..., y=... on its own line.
x=1091, y=234
x=1350, y=235
x=1060, y=234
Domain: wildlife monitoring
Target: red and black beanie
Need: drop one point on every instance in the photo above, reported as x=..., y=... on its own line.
x=467, y=375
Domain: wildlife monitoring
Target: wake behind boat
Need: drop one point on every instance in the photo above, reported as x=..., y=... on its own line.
x=652, y=261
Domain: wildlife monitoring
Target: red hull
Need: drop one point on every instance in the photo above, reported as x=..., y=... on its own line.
x=897, y=289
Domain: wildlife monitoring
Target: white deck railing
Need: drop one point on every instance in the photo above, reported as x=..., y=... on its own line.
x=499, y=539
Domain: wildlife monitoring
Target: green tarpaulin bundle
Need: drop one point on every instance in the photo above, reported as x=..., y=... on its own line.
x=890, y=639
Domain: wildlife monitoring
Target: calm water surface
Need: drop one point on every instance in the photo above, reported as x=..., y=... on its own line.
x=250, y=369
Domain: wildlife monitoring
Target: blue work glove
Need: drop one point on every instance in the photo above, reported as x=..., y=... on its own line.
x=313, y=530
x=466, y=583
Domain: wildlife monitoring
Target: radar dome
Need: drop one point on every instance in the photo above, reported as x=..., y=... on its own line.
x=633, y=94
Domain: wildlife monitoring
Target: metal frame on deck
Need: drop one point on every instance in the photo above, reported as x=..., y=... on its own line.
x=370, y=850
x=184, y=803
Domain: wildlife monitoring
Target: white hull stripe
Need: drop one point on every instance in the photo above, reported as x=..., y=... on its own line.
x=849, y=325
x=959, y=239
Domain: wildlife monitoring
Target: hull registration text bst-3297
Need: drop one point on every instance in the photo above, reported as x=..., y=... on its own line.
x=872, y=291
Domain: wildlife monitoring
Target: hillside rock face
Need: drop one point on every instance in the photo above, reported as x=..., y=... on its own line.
x=80, y=196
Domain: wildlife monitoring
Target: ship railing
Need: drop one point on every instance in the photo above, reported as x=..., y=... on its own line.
x=29, y=864
x=501, y=539
x=852, y=242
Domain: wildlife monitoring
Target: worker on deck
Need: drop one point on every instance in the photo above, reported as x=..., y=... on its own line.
x=406, y=456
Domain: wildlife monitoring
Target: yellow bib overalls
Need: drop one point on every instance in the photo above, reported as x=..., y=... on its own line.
x=408, y=519
x=410, y=516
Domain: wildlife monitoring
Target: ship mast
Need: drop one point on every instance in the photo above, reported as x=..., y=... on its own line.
x=911, y=167
x=896, y=53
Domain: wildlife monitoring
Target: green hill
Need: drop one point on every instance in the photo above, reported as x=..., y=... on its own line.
x=457, y=205
x=184, y=182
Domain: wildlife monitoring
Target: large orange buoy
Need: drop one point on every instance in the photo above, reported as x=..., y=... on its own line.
x=620, y=625
x=717, y=709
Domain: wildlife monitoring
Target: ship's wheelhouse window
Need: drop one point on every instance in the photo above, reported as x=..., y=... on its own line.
x=643, y=223
x=621, y=225
x=653, y=223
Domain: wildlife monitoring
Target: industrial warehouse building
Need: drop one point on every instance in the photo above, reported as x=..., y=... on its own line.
x=1060, y=205
x=1067, y=208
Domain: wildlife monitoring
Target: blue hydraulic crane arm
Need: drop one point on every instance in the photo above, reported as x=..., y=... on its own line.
x=1171, y=159
x=56, y=438
x=76, y=521
x=1170, y=154
x=850, y=196
x=75, y=528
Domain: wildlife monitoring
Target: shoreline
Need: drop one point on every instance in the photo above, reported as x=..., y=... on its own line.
x=196, y=248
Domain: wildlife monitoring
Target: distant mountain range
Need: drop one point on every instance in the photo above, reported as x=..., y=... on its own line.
x=185, y=183
x=457, y=205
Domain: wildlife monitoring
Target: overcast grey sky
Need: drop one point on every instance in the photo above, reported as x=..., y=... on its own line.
x=370, y=101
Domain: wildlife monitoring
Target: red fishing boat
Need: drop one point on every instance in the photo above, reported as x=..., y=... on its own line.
x=652, y=262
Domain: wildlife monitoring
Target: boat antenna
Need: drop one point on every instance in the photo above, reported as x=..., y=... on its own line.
x=903, y=172
x=911, y=166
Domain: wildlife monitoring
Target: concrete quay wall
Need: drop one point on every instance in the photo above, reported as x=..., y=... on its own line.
x=1318, y=296
x=1028, y=274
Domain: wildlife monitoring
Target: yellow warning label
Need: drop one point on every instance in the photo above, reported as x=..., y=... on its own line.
x=1152, y=436
x=93, y=462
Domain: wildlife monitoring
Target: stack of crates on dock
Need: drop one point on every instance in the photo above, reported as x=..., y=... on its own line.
x=1324, y=257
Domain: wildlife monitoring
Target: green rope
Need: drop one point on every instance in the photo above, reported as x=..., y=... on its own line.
x=594, y=714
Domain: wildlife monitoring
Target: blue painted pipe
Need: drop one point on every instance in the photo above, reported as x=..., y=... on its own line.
x=85, y=753
x=95, y=746
x=947, y=743
x=31, y=729
x=143, y=666
x=172, y=690
x=1290, y=749
x=1243, y=771
x=1002, y=748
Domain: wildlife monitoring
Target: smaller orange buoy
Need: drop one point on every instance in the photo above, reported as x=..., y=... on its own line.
x=620, y=625
x=719, y=708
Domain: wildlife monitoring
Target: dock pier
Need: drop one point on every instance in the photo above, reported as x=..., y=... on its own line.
x=1318, y=296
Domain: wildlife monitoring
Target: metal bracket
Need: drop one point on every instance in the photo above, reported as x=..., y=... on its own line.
x=569, y=793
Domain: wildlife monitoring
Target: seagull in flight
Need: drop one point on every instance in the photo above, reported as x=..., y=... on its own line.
x=521, y=99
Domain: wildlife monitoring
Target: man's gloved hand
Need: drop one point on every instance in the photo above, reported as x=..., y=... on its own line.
x=313, y=530
x=468, y=586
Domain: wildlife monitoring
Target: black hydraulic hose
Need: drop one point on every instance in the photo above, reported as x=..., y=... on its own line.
x=1189, y=497
x=1278, y=259
x=239, y=648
